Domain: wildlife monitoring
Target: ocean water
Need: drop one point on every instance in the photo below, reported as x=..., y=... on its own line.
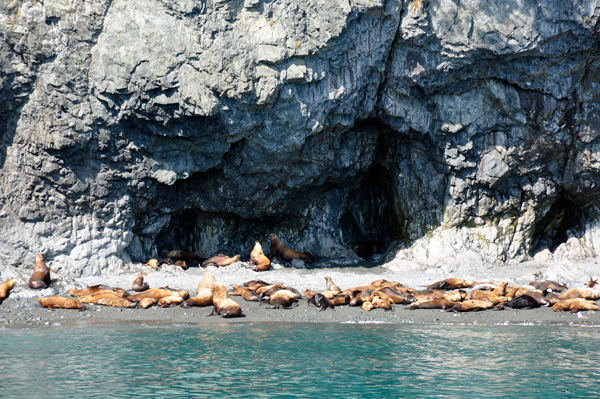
x=301, y=360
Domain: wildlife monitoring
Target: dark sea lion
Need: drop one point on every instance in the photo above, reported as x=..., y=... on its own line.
x=223, y=305
x=451, y=284
x=186, y=256
x=258, y=258
x=6, y=288
x=356, y=301
x=139, y=285
x=319, y=301
x=254, y=283
x=167, y=261
x=549, y=285
x=440, y=303
x=330, y=285
x=365, y=249
x=59, y=302
x=221, y=260
x=522, y=302
x=574, y=305
x=282, y=253
x=41, y=274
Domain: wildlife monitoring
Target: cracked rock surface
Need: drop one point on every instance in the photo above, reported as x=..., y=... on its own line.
x=448, y=131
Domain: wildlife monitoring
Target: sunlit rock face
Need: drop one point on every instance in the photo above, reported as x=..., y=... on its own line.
x=447, y=131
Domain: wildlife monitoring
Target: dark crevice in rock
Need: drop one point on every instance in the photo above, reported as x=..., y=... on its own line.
x=553, y=228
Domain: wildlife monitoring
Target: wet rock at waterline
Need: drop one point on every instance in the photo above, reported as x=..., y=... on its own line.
x=450, y=132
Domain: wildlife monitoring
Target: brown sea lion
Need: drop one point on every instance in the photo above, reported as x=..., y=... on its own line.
x=269, y=290
x=95, y=288
x=549, y=285
x=147, y=302
x=500, y=290
x=59, y=302
x=340, y=300
x=428, y=296
x=308, y=293
x=381, y=303
x=473, y=305
x=511, y=293
x=156, y=293
x=41, y=274
x=6, y=288
x=574, y=305
x=221, y=260
x=330, y=285
x=181, y=263
x=440, y=303
x=139, y=285
x=258, y=258
x=282, y=253
x=169, y=301
x=245, y=292
x=368, y=306
x=255, y=284
x=356, y=301
x=204, y=292
x=188, y=257
x=451, y=284
x=397, y=297
x=319, y=301
x=282, y=299
x=592, y=283
x=581, y=292
x=116, y=302
x=153, y=263
x=223, y=305
x=330, y=294
x=487, y=296
x=98, y=295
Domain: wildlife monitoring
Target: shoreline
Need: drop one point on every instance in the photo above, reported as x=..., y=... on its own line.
x=22, y=310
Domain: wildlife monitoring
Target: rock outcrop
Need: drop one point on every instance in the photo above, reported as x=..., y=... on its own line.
x=449, y=131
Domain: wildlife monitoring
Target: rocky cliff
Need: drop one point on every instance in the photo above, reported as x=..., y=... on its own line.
x=450, y=131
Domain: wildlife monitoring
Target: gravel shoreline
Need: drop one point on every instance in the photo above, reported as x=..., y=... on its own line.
x=22, y=310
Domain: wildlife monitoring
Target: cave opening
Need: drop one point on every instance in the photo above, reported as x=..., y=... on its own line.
x=552, y=229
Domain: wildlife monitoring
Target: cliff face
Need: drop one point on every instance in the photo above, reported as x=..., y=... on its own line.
x=451, y=131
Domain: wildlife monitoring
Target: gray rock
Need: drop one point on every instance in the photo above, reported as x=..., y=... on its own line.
x=446, y=131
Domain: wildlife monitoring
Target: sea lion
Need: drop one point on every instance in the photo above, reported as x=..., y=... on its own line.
x=581, y=292
x=139, y=285
x=204, y=292
x=500, y=290
x=451, y=284
x=102, y=294
x=221, y=260
x=223, y=305
x=319, y=301
x=95, y=288
x=574, y=305
x=169, y=301
x=330, y=285
x=157, y=293
x=258, y=258
x=381, y=303
x=473, y=305
x=456, y=295
x=339, y=300
x=440, y=303
x=368, y=306
x=282, y=253
x=269, y=290
x=59, y=302
x=282, y=299
x=308, y=293
x=153, y=263
x=147, y=302
x=330, y=294
x=41, y=274
x=549, y=285
x=356, y=301
x=511, y=293
x=181, y=263
x=6, y=288
x=245, y=292
x=254, y=283
x=397, y=297
x=116, y=302
x=487, y=296
x=592, y=283
x=522, y=302
x=188, y=257
x=365, y=249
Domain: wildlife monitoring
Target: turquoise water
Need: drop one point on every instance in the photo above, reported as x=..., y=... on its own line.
x=301, y=360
